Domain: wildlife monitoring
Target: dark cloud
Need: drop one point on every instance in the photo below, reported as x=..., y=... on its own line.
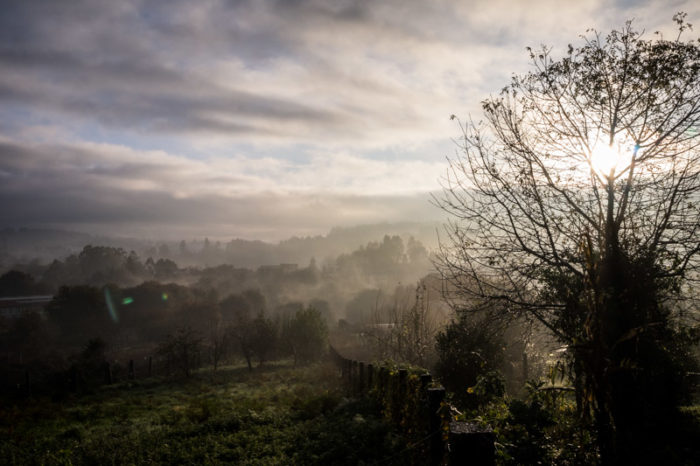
x=104, y=73
x=124, y=191
x=123, y=211
x=162, y=66
x=295, y=114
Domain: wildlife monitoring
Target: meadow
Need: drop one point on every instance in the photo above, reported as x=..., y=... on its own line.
x=276, y=414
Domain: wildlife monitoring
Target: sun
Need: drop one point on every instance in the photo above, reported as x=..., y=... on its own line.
x=610, y=159
x=604, y=159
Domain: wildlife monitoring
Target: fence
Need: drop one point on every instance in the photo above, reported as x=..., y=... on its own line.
x=411, y=401
x=26, y=380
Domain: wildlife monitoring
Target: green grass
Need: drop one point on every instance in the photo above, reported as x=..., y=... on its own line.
x=275, y=415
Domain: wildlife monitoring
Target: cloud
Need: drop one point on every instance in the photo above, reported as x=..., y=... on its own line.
x=71, y=185
x=308, y=71
x=356, y=74
x=143, y=111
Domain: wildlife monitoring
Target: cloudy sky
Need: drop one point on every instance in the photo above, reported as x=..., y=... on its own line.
x=260, y=118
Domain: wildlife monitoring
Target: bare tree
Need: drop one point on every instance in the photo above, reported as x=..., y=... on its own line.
x=575, y=202
x=404, y=329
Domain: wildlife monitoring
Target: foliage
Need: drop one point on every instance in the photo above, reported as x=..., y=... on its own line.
x=181, y=350
x=18, y=283
x=378, y=258
x=602, y=256
x=307, y=335
x=468, y=349
x=28, y=336
x=97, y=266
x=404, y=329
x=542, y=428
x=255, y=336
x=278, y=415
x=78, y=311
x=264, y=336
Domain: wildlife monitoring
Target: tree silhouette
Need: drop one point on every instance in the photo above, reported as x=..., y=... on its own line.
x=307, y=335
x=243, y=316
x=181, y=350
x=575, y=202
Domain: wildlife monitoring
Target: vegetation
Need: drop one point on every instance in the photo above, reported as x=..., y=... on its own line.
x=307, y=335
x=181, y=351
x=468, y=351
x=276, y=415
x=576, y=206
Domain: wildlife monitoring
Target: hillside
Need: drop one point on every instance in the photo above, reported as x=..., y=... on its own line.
x=274, y=415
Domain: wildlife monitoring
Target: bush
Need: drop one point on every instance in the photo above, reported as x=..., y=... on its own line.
x=468, y=349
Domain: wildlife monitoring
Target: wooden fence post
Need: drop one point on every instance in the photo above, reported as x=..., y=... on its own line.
x=27, y=385
x=150, y=366
x=355, y=373
x=361, y=379
x=382, y=389
x=470, y=444
x=425, y=380
x=74, y=378
x=437, y=447
x=108, y=373
x=370, y=377
x=399, y=396
x=131, y=369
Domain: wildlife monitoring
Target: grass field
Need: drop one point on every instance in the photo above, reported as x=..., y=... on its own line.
x=275, y=415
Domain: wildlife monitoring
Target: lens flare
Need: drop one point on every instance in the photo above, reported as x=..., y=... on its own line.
x=127, y=300
x=110, y=306
x=164, y=296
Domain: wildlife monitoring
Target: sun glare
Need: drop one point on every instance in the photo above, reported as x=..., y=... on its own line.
x=609, y=159
x=604, y=159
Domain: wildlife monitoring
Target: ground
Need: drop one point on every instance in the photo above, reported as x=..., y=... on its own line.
x=275, y=415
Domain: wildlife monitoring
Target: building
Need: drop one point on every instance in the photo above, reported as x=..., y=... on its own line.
x=15, y=306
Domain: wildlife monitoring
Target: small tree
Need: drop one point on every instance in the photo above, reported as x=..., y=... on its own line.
x=263, y=338
x=219, y=341
x=307, y=335
x=236, y=313
x=576, y=204
x=255, y=336
x=181, y=350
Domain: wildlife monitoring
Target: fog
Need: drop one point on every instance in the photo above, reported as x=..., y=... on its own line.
x=349, y=274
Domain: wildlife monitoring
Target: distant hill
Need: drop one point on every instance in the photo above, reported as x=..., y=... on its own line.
x=23, y=245
x=44, y=245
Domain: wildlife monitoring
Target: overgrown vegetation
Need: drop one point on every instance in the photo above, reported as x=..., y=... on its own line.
x=274, y=415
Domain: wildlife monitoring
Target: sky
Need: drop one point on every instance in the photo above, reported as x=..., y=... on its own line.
x=257, y=119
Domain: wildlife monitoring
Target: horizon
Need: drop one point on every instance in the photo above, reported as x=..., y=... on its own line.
x=389, y=229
